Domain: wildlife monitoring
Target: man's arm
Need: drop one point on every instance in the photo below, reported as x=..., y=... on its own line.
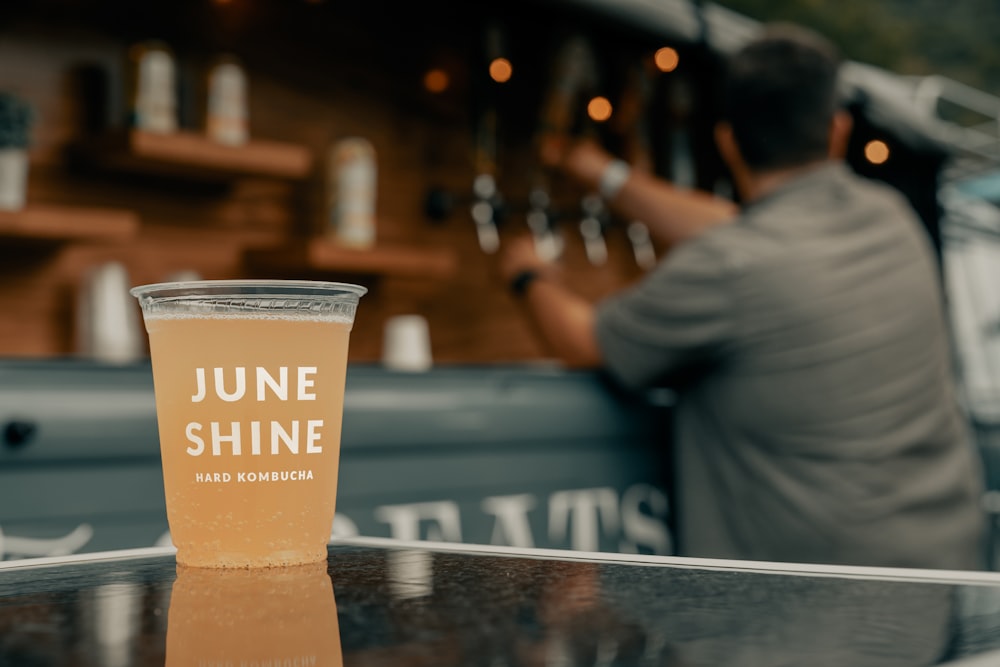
x=563, y=320
x=675, y=319
x=672, y=214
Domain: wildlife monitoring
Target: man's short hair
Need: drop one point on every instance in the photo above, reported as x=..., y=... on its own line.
x=780, y=97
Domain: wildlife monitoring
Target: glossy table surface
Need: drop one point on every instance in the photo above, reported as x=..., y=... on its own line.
x=379, y=602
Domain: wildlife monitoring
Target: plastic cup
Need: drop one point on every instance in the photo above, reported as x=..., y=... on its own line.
x=249, y=385
x=407, y=344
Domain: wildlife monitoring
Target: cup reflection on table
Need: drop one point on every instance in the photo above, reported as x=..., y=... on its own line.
x=249, y=384
x=253, y=617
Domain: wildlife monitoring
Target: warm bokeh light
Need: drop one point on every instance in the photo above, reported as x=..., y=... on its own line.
x=599, y=109
x=666, y=59
x=500, y=70
x=876, y=151
x=223, y=2
x=436, y=80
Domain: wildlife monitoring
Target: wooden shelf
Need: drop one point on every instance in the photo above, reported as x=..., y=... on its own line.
x=195, y=156
x=320, y=256
x=39, y=223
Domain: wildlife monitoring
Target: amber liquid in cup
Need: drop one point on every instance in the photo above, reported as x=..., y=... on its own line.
x=249, y=408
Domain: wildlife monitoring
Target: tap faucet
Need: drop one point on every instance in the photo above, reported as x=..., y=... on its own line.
x=484, y=212
x=642, y=246
x=548, y=242
x=592, y=229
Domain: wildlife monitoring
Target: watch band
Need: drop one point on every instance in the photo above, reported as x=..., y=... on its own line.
x=520, y=282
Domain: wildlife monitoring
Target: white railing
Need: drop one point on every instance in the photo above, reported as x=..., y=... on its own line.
x=12, y=547
x=969, y=121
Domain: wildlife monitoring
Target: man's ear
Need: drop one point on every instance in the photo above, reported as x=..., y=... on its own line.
x=725, y=141
x=840, y=134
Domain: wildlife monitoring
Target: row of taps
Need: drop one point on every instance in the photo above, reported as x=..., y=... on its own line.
x=489, y=210
x=593, y=220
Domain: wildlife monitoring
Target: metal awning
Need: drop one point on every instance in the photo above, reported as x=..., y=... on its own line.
x=886, y=99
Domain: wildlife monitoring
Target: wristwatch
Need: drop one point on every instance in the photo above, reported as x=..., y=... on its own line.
x=519, y=283
x=613, y=179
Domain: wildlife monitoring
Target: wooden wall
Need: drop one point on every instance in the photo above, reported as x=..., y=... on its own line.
x=313, y=79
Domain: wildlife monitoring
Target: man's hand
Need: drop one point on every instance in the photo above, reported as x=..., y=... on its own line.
x=672, y=214
x=583, y=159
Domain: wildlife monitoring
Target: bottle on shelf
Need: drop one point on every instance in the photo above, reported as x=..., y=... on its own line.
x=226, y=114
x=352, y=176
x=152, y=82
x=15, y=136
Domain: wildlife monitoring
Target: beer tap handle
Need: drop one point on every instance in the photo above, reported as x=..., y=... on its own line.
x=573, y=72
x=483, y=211
x=632, y=123
x=592, y=229
x=548, y=242
x=486, y=200
x=642, y=246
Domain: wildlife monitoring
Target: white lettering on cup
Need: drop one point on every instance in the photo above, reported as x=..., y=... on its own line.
x=306, y=382
x=291, y=440
x=264, y=381
x=199, y=442
x=255, y=438
x=241, y=385
x=199, y=379
x=312, y=436
x=279, y=387
x=290, y=437
x=233, y=438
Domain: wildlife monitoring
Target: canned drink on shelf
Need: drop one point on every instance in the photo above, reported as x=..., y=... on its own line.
x=352, y=174
x=153, y=87
x=226, y=117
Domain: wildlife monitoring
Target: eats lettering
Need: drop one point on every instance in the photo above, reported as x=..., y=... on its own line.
x=262, y=436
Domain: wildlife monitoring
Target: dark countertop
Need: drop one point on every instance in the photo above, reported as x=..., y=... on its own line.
x=389, y=603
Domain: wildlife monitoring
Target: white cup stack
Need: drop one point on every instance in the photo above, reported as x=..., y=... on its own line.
x=406, y=344
x=108, y=321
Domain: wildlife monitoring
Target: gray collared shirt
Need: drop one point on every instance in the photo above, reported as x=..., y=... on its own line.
x=817, y=418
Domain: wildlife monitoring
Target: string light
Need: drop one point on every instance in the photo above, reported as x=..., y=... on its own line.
x=876, y=151
x=436, y=80
x=501, y=70
x=599, y=109
x=667, y=59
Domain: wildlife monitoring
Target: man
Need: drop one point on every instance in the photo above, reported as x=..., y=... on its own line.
x=816, y=418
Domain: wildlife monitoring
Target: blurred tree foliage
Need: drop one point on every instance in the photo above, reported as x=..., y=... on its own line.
x=956, y=38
